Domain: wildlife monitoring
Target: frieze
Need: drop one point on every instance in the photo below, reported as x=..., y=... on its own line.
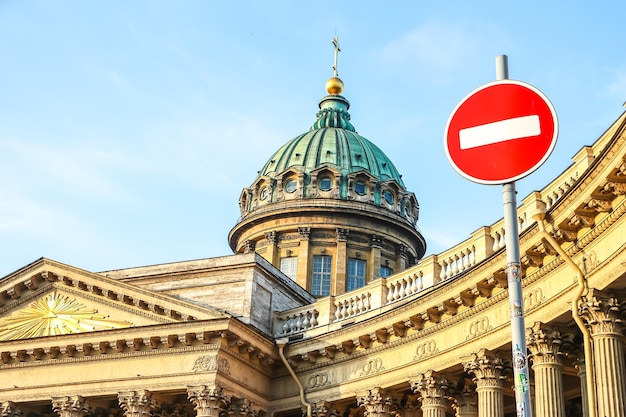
x=371, y=366
x=321, y=235
x=425, y=349
x=319, y=380
x=359, y=239
x=533, y=298
x=478, y=327
x=208, y=363
x=589, y=262
x=290, y=236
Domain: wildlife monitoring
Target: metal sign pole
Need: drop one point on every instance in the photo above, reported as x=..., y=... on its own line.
x=514, y=275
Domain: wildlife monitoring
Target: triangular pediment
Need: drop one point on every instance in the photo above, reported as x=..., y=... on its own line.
x=48, y=298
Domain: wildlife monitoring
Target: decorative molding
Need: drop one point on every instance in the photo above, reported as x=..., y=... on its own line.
x=425, y=349
x=319, y=380
x=209, y=363
x=478, y=327
x=371, y=366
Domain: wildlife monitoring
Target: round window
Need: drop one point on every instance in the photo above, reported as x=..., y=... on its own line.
x=264, y=193
x=359, y=188
x=325, y=184
x=290, y=186
x=388, y=196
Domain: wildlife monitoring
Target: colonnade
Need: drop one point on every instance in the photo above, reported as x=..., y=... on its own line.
x=478, y=392
x=206, y=400
x=440, y=394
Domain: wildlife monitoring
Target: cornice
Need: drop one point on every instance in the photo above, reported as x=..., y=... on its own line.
x=174, y=338
x=440, y=315
x=16, y=286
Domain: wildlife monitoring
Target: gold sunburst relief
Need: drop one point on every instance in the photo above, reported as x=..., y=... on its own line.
x=55, y=314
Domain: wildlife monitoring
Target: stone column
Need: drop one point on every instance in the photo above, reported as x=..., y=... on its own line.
x=601, y=311
x=579, y=363
x=244, y=408
x=465, y=401
x=338, y=285
x=136, y=403
x=402, y=258
x=433, y=389
x=272, y=249
x=376, y=402
x=209, y=400
x=376, y=244
x=9, y=409
x=324, y=409
x=70, y=406
x=302, y=274
x=545, y=344
x=409, y=406
x=488, y=370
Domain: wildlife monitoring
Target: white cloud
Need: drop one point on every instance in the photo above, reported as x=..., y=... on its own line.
x=432, y=48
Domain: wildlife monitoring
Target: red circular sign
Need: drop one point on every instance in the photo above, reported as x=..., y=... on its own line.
x=500, y=132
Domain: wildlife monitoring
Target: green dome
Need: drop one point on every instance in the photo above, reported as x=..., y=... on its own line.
x=332, y=141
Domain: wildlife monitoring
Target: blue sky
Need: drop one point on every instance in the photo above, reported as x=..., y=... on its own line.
x=128, y=129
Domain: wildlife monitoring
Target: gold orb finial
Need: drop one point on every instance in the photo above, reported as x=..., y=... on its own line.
x=334, y=85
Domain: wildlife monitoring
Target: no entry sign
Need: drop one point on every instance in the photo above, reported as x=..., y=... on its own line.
x=500, y=132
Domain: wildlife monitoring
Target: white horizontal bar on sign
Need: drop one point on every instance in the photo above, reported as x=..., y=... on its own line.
x=503, y=130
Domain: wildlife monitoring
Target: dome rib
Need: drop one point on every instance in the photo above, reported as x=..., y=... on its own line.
x=340, y=147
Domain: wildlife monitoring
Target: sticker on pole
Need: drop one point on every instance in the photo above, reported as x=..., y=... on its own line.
x=500, y=132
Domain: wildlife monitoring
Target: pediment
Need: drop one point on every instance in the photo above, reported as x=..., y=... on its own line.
x=48, y=298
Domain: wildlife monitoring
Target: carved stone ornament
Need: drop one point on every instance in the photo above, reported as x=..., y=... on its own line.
x=376, y=402
x=71, y=406
x=546, y=343
x=433, y=388
x=209, y=400
x=9, y=409
x=486, y=367
x=209, y=363
x=136, y=403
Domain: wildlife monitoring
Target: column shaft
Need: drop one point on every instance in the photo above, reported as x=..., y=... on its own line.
x=341, y=263
x=602, y=313
x=610, y=374
x=302, y=274
x=549, y=401
x=487, y=368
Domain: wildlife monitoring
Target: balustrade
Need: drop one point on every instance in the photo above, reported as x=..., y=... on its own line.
x=431, y=270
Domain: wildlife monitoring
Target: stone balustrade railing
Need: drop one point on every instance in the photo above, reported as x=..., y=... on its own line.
x=384, y=292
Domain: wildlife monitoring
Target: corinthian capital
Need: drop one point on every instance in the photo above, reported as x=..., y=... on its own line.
x=433, y=388
x=209, y=400
x=136, y=403
x=9, y=409
x=602, y=312
x=547, y=344
x=376, y=402
x=70, y=406
x=487, y=368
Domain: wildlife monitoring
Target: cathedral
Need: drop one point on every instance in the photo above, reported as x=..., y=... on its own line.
x=329, y=308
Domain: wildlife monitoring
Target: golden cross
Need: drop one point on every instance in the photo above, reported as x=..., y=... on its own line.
x=337, y=49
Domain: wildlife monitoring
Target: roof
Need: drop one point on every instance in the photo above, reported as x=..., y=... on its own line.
x=332, y=141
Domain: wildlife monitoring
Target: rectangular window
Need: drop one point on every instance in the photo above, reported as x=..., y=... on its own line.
x=356, y=274
x=289, y=266
x=385, y=271
x=322, y=267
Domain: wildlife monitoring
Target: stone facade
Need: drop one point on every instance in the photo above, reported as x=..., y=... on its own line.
x=234, y=336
